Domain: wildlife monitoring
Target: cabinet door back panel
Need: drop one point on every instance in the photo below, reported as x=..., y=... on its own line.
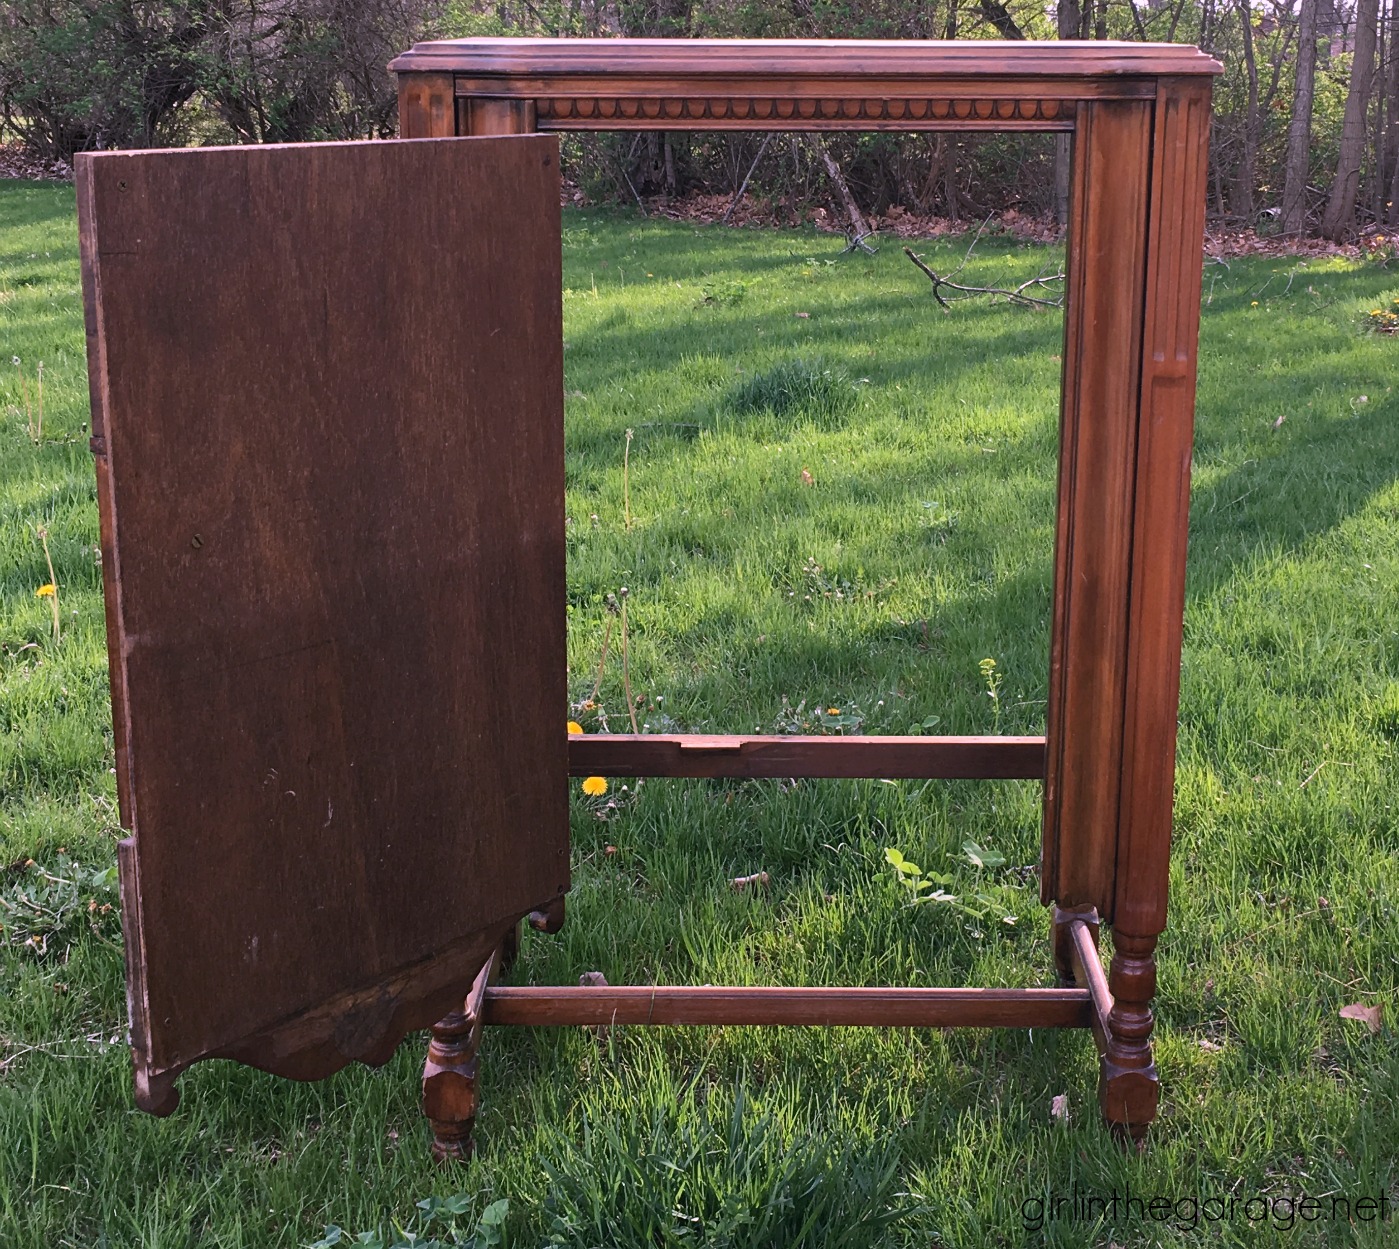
x=327, y=412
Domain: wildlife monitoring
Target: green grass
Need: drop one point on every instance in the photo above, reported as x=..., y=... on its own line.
x=847, y=509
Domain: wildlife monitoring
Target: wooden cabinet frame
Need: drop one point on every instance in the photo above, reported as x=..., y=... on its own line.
x=1139, y=117
x=319, y=555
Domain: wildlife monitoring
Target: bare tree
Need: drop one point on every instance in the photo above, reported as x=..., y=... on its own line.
x=288, y=71
x=1339, y=217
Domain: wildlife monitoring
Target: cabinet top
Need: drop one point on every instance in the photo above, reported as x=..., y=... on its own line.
x=845, y=59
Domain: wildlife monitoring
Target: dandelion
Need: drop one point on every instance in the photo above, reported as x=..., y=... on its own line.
x=833, y=711
x=595, y=786
x=49, y=589
x=574, y=728
x=1254, y=304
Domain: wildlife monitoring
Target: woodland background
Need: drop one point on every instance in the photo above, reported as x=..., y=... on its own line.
x=1306, y=121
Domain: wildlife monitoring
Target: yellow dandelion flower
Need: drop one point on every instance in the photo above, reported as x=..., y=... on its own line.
x=833, y=711
x=595, y=786
x=574, y=728
x=1254, y=304
x=46, y=591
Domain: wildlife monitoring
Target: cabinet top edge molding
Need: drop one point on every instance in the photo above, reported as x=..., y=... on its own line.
x=846, y=59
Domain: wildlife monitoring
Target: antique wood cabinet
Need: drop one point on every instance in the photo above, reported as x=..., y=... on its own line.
x=322, y=559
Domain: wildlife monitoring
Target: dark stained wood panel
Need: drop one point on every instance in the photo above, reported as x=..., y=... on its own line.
x=327, y=414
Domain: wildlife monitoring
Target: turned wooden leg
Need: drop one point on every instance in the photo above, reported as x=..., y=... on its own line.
x=453, y=1053
x=449, y=1075
x=548, y=918
x=1064, y=942
x=1128, y=1088
x=449, y=1085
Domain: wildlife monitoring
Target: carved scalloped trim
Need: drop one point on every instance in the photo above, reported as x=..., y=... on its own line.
x=364, y=1026
x=565, y=109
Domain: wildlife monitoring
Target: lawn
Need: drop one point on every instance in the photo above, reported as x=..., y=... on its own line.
x=834, y=502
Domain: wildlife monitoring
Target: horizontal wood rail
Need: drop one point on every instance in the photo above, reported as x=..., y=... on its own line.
x=1100, y=61
x=893, y=758
x=823, y=1007
x=493, y=86
x=1088, y=972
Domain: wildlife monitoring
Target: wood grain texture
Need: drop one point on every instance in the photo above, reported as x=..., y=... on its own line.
x=759, y=59
x=852, y=757
x=1097, y=483
x=427, y=107
x=336, y=674
x=484, y=116
x=858, y=1007
x=1161, y=517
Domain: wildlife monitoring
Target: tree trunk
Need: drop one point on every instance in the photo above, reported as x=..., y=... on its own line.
x=1381, y=135
x=1063, y=170
x=1299, y=134
x=857, y=220
x=672, y=186
x=995, y=12
x=1070, y=24
x=1244, y=181
x=1391, y=214
x=1394, y=197
x=927, y=197
x=1340, y=208
x=1206, y=40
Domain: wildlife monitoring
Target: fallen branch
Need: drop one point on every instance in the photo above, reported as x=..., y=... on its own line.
x=1015, y=294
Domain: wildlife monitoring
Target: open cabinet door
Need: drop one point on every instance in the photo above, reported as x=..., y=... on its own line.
x=327, y=413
